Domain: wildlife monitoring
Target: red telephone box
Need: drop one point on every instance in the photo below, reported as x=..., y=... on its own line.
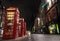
x=25, y=28
x=22, y=26
x=11, y=21
x=19, y=29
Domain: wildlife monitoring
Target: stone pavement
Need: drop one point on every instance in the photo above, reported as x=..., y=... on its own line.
x=44, y=37
x=37, y=37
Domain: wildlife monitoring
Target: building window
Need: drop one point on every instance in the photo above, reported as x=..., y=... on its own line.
x=49, y=4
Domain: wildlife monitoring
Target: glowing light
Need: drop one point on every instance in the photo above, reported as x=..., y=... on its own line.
x=11, y=8
x=38, y=21
x=10, y=13
x=57, y=28
x=49, y=2
x=29, y=33
x=10, y=24
x=11, y=16
x=51, y=28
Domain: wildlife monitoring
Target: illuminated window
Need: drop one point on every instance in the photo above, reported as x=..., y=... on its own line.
x=49, y=4
x=11, y=8
x=10, y=16
x=38, y=20
x=10, y=23
x=10, y=13
x=49, y=1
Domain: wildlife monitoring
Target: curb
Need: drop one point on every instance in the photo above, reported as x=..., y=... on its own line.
x=16, y=39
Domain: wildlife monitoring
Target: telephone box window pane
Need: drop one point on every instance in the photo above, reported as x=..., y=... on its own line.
x=11, y=9
x=9, y=27
x=10, y=16
x=10, y=13
x=10, y=21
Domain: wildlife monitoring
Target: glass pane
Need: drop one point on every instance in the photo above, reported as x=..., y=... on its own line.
x=10, y=16
x=11, y=13
x=10, y=24
x=11, y=8
x=10, y=21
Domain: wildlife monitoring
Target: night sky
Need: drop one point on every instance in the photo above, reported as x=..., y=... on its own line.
x=28, y=9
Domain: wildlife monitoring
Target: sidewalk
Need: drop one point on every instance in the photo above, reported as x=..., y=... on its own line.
x=16, y=39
